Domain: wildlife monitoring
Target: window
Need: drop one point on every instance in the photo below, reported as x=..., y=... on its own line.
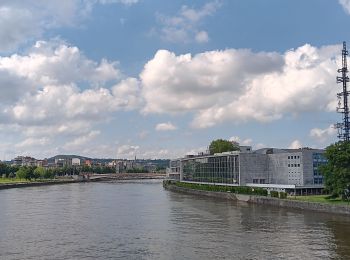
x=298, y=164
x=288, y=165
x=288, y=157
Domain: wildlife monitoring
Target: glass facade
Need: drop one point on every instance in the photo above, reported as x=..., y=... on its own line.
x=318, y=159
x=218, y=169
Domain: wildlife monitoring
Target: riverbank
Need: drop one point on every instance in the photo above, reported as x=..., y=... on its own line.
x=263, y=200
x=36, y=183
x=92, y=178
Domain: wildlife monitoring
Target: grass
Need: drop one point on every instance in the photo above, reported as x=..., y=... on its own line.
x=15, y=180
x=12, y=180
x=221, y=188
x=320, y=199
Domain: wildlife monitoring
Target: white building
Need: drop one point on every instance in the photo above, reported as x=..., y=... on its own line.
x=75, y=162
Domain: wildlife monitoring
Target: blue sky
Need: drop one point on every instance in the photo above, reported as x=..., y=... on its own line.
x=159, y=79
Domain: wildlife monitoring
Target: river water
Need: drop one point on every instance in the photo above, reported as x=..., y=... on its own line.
x=140, y=220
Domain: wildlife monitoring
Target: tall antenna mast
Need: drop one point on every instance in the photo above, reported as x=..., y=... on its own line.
x=343, y=128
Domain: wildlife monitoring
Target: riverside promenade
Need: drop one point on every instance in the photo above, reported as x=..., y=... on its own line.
x=263, y=200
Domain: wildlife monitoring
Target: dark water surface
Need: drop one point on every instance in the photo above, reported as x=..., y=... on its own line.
x=140, y=220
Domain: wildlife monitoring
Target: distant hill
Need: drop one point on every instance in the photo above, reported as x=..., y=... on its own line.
x=65, y=156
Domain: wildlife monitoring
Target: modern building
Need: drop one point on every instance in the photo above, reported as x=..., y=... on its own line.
x=291, y=170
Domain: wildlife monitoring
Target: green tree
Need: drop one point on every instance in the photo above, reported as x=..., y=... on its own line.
x=23, y=173
x=220, y=146
x=39, y=172
x=337, y=171
x=49, y=174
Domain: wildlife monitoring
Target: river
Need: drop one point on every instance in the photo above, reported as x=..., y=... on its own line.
x=140, y=220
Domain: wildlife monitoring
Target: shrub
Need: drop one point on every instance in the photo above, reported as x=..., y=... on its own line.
x=221, y=188
x=274, y=194
x=283, y=195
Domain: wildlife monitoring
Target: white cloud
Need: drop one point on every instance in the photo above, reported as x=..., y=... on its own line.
x=16, y=27
x=55, y=62
x=80, y=141
x=125, y=2
x=260, y=146
x=238, y=85
x=184, y=26
x=346, y=5
x=237, y=139
x=30, y=142
x=202, y=37
x=296, y=144
x=128, y=93
x=54, y=92
x=165, y=127
x=23, y=21
x=323, y=135
x=42, y=87
x=127, y=151
x=143, y=134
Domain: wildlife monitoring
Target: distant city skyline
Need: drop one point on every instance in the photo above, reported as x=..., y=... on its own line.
x=159, y=79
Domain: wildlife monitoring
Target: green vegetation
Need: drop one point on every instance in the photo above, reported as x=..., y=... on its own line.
x=34, y=173
x=283, y=195
x=12, y=180
x=274, y=194
x=8, y=171
x=96, y=169
x=321, y=199
x=219, y=188
x=220, y=146
x=337, y=171
x=137, y=170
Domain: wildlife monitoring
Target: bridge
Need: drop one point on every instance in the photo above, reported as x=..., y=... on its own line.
x=126, y=176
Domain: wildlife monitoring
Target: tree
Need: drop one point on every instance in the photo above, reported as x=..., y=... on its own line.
x=39, y=172
x=220, y=146
x=49, y=174
x=337, y=171
x=22, y=173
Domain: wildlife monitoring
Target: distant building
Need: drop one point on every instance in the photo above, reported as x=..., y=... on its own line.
x=291, y=170
x=24, y=161
x=62, y=162
x=75, y=162
x=88, y=163
x=119, y=167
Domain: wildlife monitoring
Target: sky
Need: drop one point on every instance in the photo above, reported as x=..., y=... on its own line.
x=163, y=78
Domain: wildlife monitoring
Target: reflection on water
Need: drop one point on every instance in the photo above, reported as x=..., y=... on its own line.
x=140, y=220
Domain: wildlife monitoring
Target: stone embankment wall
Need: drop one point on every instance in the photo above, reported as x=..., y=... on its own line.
x=32, y=184
x=286, y=203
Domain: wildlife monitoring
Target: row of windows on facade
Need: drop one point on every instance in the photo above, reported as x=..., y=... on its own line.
x=293, y=157
x=260, y=181
x=318, y=180
x=294, y=165
x=317, y=173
